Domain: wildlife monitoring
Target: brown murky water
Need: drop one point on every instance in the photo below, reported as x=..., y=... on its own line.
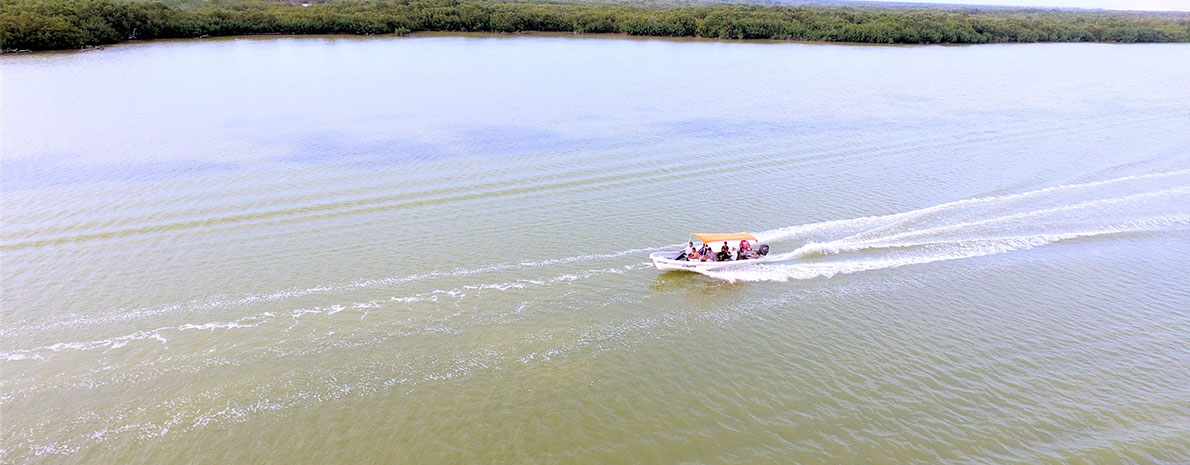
x=433, y=250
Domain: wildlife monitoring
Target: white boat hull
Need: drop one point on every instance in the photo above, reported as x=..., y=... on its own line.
x=665, y=261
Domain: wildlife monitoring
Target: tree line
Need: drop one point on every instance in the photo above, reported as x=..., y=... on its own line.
x=66, y=24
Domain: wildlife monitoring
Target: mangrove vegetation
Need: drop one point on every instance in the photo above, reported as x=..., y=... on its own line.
x=65, y=24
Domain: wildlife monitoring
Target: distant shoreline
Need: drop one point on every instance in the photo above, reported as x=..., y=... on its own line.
x=483, y=35
x=66, y=24
x=521, y=34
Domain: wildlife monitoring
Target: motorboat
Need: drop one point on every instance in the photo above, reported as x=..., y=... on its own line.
x=676, y=260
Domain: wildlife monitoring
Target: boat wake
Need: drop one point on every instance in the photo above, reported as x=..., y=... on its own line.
x=364, y=320
x=1153, y=203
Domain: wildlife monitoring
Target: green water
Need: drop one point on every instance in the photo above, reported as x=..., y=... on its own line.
x=434, y=250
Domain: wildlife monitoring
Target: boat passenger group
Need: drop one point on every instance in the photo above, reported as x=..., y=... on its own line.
x=725, y=254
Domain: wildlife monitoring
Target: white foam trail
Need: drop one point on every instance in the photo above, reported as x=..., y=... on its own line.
x=219, y=302
x=937, y=251
x=39, y=353
x=109, y=343
x=869, y=222
x=933, y=234
x=940, y=232
x=873, y=227
x=122, y=341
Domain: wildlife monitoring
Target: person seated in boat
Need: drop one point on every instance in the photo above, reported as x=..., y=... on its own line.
x=725, y=253
x=708, y=253
x=694, y=256
x=742, y=252
x=686, y=252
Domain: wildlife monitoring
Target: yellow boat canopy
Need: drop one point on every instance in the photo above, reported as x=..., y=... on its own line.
x=708, y=238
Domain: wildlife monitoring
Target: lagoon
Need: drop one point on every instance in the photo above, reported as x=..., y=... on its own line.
x=433, y=249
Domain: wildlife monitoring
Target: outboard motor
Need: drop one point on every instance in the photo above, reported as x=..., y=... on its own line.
x=763, y=249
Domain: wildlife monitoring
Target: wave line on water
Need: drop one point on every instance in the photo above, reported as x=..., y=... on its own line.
x=254, y=321
x=905, y=239
x=794, y=232
x=221, y=302
x=942, y=251
x=860, y=233
x=942, y=232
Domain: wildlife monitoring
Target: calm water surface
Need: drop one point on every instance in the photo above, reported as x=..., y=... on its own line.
x=433, y=250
